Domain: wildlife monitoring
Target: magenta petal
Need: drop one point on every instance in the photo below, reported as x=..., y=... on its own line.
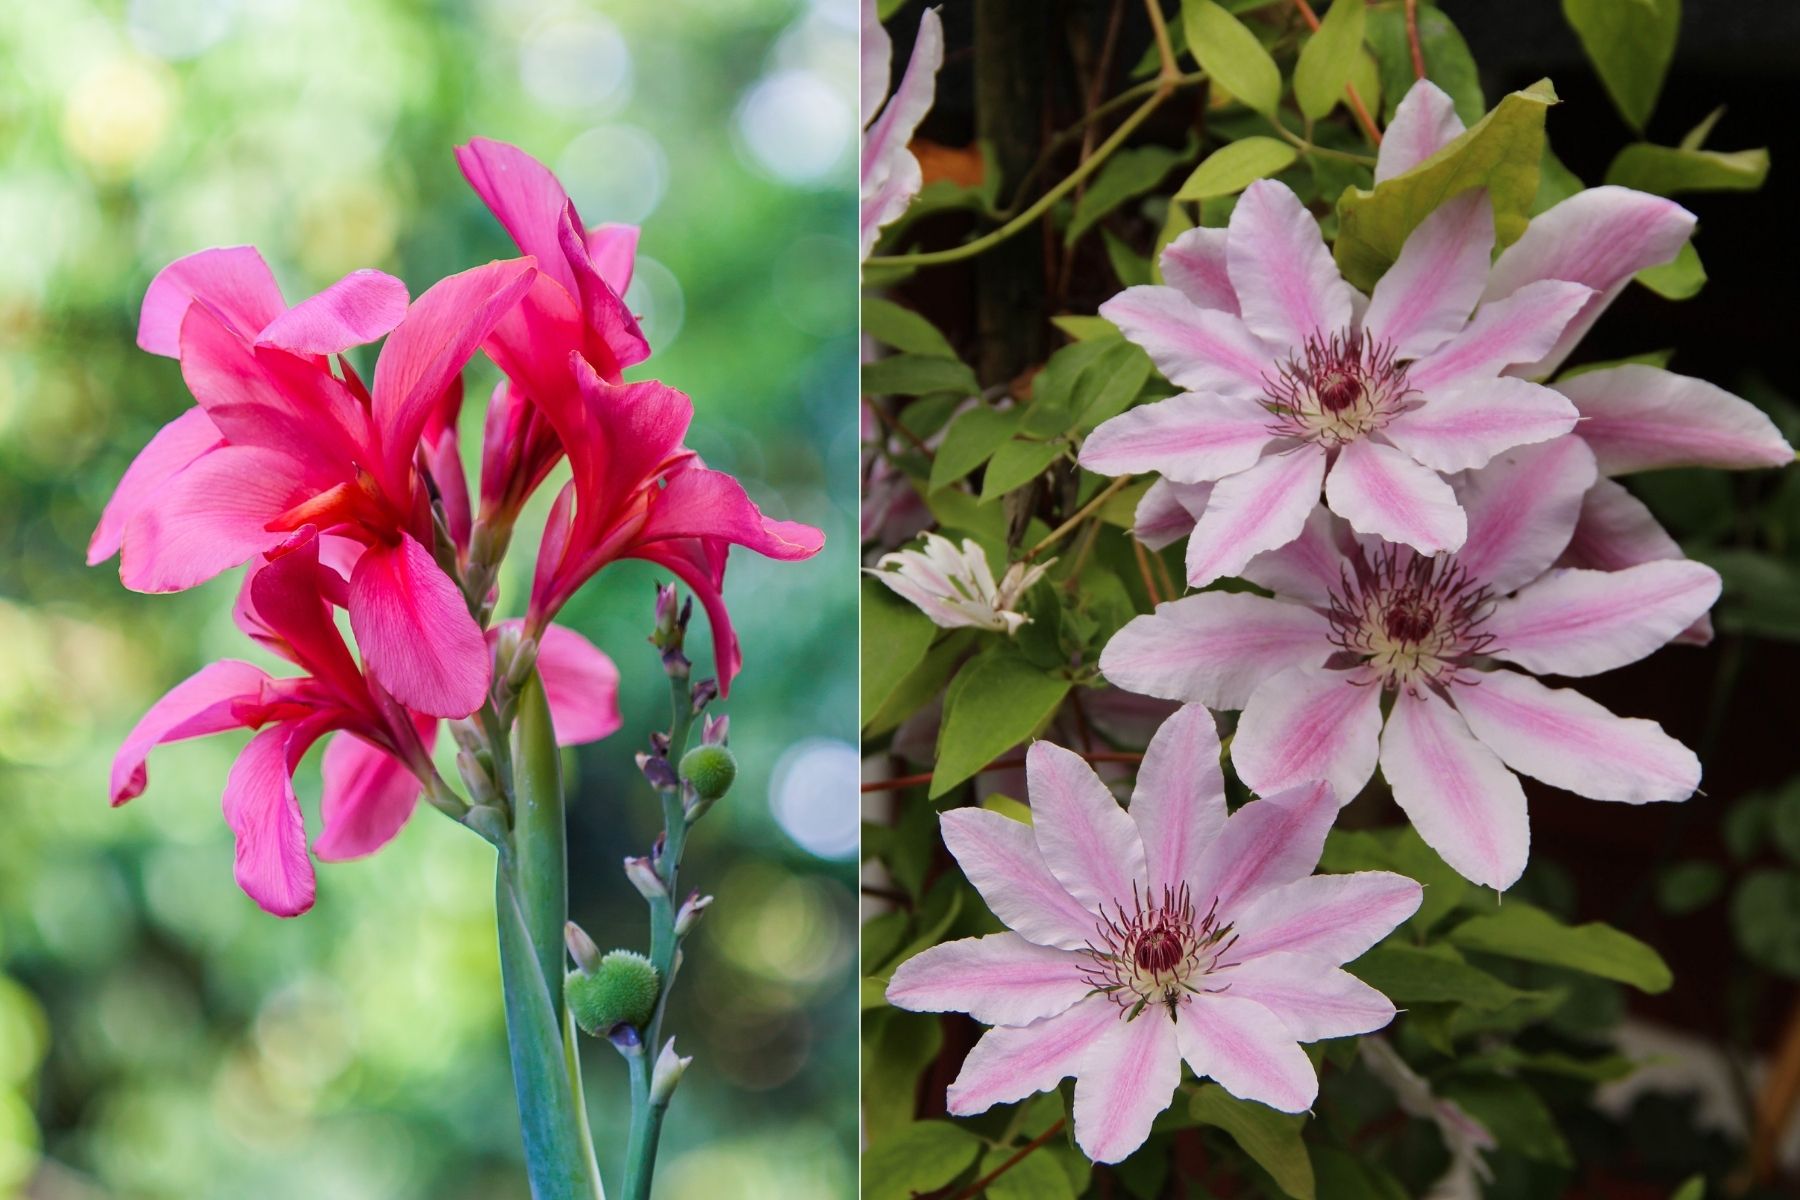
x=202, y=703
x=272, y=864
x=1309, y=723
x=1248, y=1050
x=1640, y=418
x=525, y=197
x=1001, y=979
x=232, y=280
x=1178, y=804
x=175, y=446
x=1214, y=648
x=1084, y=837
x=1000, y=858
x=1265, y=843
x=1333, y=917
x=415, y=632
x=1313, y=1000
x=209, y=517
x=1254, y=511
x=613, y=251
x=605, y=311
x=427, y=350
x=1383, y=492
x=1566, y=740
x=1424, y=123
x=367, y=798
x=581, y=684
x=1457, y=793
x=1522, y=509
x=357, y=309
x=1010, y=1063
x=1126, y=1078
x=711, y=504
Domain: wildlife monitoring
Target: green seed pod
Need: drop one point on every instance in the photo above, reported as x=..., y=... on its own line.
x=621, y=990
x=710, y=769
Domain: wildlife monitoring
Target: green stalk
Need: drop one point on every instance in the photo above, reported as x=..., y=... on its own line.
x=531, y=906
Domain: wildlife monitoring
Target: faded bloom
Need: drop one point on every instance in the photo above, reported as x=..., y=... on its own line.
x=1355, y=623
x=955, y=588
x=890, y=174
x=1147, y=937
x=1464, y=1137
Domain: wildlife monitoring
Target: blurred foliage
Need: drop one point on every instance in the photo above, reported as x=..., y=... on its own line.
x=159, y=1037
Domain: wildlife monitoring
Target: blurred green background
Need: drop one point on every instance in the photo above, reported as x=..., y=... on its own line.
x=159, y=1036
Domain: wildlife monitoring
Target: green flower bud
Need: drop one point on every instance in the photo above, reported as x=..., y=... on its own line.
x=711, y=770
x=621, y=990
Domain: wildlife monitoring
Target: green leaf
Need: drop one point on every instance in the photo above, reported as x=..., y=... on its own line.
x=1500, y=152
x=896, y=1047
x=915, y=375
x=1762, y=593
x=1514, y=1114
x=998, y=700
x=919, y=1158
x=1037, y=1176
x=1132, y=268
x=1417, y=975
x=924, y=684
x=1556, y=183
x=1109, y=385
x=1765, y=917
x=1448, y=62
x=1177, y=221
x=1519, y=930
x=1670, y=171
x=1693, y=1189
x=1235, y=166
x=1083, y=328
x=1345, y=1176
x=1401, y=850
x=903, y=329
x=1127, y=175
x=1630, y=43
x=1678, y=279
x=1688, y=887
x=1015, y=464
x=1328, y=58
x=1271, y=1139
x=895, y=637
x=1784, y=819
x=970, y=441
x=1232, y=55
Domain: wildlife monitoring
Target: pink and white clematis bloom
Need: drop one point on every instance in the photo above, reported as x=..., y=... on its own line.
x=1143, y=938
x=372, y=769
x=890, y=174
x=278, y=442
x=956, y=588
x=1354, y=623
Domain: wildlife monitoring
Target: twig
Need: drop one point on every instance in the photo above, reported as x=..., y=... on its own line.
x=1143, y=562
x=892, y=423
x=976, y=1188
x=1412, y=38
x=1307, y=147
x=1009, y=764
x=1086, y=510
x=1356, y=101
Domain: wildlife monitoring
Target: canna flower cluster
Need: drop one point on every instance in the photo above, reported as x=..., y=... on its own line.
x=336, y=494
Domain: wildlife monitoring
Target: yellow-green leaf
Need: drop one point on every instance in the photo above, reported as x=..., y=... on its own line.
x=1230, y=53
x=1328, y=58
x=1500, y=152
x=1678, y=279
x=1669, y=170
x=1517, y=930
x=998, y=700
x=1235, y=166
x=1630, y=43
x=1271, y=1138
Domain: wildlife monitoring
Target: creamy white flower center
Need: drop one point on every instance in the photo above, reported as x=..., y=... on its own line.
x=1414, y=621
x=1155, y=953
x=1337, y=390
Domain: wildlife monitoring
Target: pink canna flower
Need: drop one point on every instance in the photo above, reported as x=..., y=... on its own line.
x=637, y=492
x=1142, y=938
x=373, y=769
x=1354, y=624
x=278, y=443
x=890, y=174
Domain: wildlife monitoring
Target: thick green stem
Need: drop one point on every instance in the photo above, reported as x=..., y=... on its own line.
x=540, y=837
x=646, y=1126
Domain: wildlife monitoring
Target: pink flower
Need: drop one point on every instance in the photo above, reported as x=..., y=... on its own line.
x=890, y=174
x=373, y=769
x=1144, y=938
x=637, y=492
x=278, y=442
x=575, y=305
x=1354, y=623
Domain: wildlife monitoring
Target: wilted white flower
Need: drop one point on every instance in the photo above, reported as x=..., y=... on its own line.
x=955, y=588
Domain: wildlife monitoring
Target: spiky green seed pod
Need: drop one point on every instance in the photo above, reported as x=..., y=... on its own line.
x=621, y=990
x=711, y=770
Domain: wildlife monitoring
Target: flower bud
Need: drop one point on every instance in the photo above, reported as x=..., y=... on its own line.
x=644, y=878
x=715, y=730
x=581, y=947
x=524, y=658
x=710, y=769
x=620, y=990
x=467, y=736
x=690, y=913
x=476, y=778
x=704, y=693
x=488, y=821
x=668, y=1072
x=657, y=770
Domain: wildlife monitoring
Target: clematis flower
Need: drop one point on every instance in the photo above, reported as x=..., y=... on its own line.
x=373, y=769
x=1464, y=1137
x=278, y=442
x=955, y=588
x=890, y=174
x=1354, y=624
x=574, y=305
x=1145, y=938
x=637, y=492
